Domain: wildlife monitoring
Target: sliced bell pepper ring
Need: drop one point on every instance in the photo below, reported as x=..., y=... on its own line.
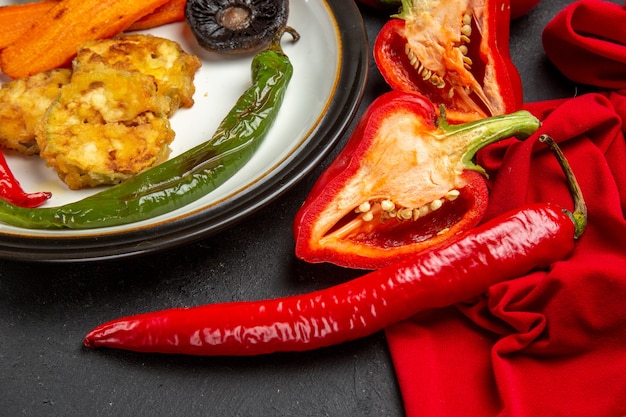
x=455, y=52
x=404, y=182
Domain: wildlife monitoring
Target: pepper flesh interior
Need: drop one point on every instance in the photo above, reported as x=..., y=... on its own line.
x=418, y=171
x=397, y=226
x=443, y=46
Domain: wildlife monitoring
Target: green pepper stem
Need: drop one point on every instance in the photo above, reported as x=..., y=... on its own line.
x=470, y=137
x=275, y=44
x=579, y=215
x=405, y=9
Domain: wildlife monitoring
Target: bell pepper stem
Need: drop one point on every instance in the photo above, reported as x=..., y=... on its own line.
x=405, y=8
x=579, y=215
x=275, y=44
x=475, y=135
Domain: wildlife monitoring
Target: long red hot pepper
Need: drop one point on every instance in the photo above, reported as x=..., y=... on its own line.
x=503, y=248
x=11, y=190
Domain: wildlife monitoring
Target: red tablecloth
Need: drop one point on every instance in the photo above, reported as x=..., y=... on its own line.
x=552, y=343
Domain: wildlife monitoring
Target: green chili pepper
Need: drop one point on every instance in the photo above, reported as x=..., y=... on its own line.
x=190, y=175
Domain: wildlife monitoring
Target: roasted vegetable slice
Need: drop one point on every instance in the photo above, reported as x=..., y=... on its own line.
x=52, y=41
x=23, y=103
x=172, y=68
x=105, y=127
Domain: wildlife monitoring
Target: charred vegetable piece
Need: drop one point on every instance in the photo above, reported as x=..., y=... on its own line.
x=404, y=182
x=455, y=52
x=236, y=26
x=506, y=247
x=187, y=177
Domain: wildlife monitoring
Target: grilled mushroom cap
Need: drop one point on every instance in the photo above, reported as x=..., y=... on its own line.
x=236, y=26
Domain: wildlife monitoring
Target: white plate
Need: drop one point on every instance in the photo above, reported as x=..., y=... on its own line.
x=330, y=70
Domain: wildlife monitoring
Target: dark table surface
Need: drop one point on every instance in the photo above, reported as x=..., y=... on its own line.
x=46, y=309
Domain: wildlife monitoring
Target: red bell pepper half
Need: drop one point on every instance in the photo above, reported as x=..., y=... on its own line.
x=405, y=181
x=455, y=52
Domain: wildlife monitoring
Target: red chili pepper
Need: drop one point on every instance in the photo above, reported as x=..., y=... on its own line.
x=403, y=183
x=503, y=248
x=11, y=190
x=456, y=56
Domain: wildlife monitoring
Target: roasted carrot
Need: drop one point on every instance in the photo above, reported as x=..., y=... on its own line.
x=172, y=11
x=16, y=19
x=53, y=39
